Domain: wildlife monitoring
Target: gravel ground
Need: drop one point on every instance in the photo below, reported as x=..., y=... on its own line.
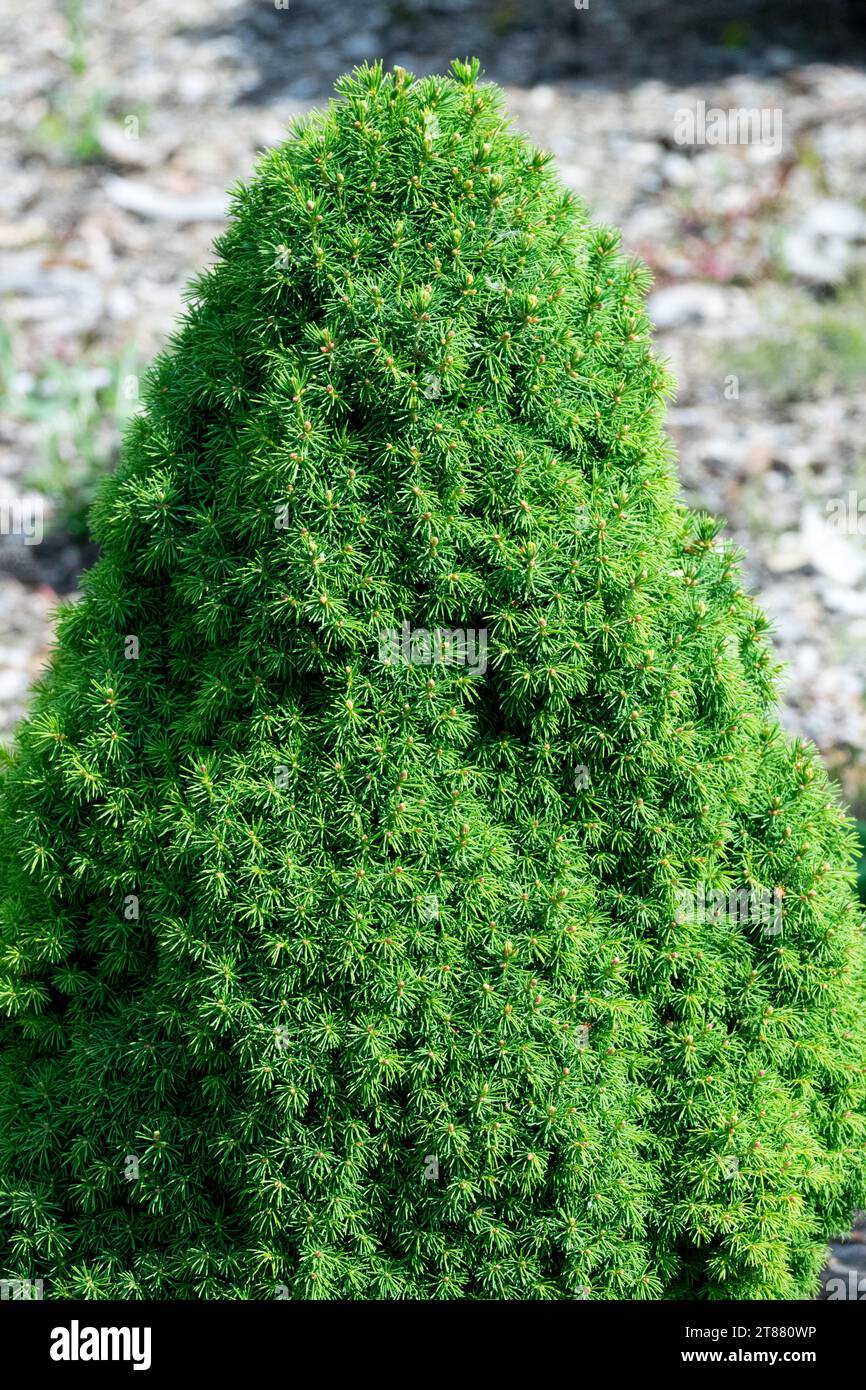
x=122, y=125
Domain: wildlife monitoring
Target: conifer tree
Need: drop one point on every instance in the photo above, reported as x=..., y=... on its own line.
x=407, y=890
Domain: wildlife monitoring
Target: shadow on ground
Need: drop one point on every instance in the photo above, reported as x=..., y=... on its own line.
x=299, y=49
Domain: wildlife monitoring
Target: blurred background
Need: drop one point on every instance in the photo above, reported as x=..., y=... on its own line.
x=122, y=124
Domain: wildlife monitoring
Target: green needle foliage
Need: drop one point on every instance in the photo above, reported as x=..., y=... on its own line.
x=345, y=959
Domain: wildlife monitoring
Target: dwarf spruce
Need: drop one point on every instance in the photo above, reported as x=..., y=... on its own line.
x=338, y=962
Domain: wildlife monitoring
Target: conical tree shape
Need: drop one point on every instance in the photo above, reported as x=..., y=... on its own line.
x=406, y=889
